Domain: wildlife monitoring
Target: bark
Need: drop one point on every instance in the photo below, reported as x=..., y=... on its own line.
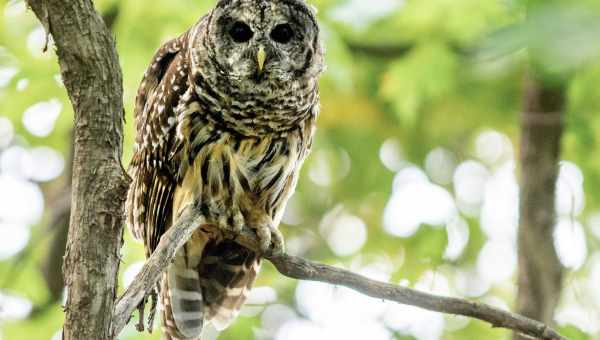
x=60, y=209
x=92, y=76
x=540, y=272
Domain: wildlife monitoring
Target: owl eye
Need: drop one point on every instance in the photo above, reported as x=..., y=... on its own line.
x=241, y=32
x=282, y=33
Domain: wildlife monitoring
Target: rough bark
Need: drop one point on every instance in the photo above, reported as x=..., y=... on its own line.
x=60, y=208
x=92, y=76
x=540, y=272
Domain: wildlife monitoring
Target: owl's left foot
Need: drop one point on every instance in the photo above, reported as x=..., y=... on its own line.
x=270, y=239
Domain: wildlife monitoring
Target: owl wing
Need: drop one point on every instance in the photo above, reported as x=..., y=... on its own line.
x=154, y=166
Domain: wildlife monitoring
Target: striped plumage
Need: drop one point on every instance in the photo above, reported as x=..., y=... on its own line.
x=220, y=130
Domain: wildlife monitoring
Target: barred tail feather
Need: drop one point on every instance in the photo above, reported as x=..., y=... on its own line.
x=206, y=283
x=227, y=273
x=181, y=296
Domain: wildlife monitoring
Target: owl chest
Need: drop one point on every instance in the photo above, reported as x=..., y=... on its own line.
x=230, y=169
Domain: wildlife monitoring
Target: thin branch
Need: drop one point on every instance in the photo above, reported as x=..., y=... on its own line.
x=302, y=269
x=147, y=278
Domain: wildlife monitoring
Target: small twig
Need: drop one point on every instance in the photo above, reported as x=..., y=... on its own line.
x=302, y=269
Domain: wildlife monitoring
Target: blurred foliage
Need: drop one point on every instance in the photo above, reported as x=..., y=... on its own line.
x=407, y=74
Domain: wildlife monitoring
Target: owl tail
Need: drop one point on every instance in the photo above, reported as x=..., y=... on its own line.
x=206, y=284
x=227, y=273
x=181, y=298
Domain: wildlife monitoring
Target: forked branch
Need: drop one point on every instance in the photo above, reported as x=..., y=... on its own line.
x=302, y=269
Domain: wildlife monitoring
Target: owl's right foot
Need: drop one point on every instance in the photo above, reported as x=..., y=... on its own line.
x=270, y=239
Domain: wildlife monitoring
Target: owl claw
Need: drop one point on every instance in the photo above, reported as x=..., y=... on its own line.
x=277, y=243
x=270, y=241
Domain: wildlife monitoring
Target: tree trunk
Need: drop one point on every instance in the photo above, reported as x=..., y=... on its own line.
x=540, y=272
x=92, y=75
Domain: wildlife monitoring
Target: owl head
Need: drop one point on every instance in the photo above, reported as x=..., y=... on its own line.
x=250, y=43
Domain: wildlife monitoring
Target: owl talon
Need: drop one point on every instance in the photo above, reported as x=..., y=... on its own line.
x=270, y=241
x=277, y=243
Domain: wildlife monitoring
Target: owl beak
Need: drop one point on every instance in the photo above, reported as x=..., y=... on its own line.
x=261, y=56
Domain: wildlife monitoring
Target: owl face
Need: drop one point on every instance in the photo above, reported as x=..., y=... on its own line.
x=255, y=42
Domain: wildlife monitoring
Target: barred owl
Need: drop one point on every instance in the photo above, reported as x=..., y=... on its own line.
x=225, y=117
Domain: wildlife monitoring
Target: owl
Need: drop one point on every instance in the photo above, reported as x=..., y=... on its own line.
x=225, y=116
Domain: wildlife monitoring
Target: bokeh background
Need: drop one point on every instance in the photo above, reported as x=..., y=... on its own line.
x=412, y=180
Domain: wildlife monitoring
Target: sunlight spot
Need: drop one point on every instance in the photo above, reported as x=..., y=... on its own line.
x=13, y=307
x=58, y=79
x=21, y=202
x=293, y=214
x=456, y=322
x=440, y=164
x=470, y=283
x=470, y=178
x=434, y=283
x=493, y=147
x=130, y=273
x=261, y=296
x=582, y=318
x=497, y=261
x=331, y=305
x=300, y=244
x=570, y=198
x=416, y=201
x=570, y=243
x=14, y=8
x=413, y=321
x=297, y=329
x=345, y=234
x=44, y=164
x=13, y=239
x=22, y=84
x=275, y=316
x=36, y=41
x=329, y=166
x=314, y=299
x=58, y=335
x=13, y=161
x=360, y=13
x=6, y=132
x=39, y=119
x=500, y=211
x=458, y=237
x=407, y=176
x=391, y=155
x=6, y=74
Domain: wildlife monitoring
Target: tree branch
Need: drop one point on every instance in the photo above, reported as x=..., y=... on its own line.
x=92, y=76
x=540, y=272
x=302, y=269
